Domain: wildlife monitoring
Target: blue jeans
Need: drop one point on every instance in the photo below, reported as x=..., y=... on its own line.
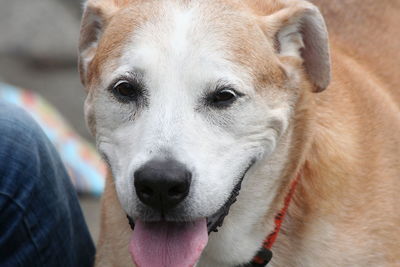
x=41, y=222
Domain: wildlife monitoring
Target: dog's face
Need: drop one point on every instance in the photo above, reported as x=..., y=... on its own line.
x=199, y=90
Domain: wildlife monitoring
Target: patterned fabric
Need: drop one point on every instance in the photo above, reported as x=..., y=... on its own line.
x=86, y=169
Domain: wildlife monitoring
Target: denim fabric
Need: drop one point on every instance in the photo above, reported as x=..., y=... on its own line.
x=41, y=222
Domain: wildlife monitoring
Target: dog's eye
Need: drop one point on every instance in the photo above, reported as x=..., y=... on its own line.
x=127, y=90
x=223, y=97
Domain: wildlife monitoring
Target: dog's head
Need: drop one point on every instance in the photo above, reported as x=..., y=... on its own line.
x=188, y=98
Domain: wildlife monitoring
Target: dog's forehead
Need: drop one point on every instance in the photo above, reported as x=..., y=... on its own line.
x=190, y=35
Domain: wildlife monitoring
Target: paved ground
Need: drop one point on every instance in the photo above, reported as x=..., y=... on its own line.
x=38, y=51
x=91, y=209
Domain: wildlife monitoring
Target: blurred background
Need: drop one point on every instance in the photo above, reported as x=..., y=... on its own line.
x=38, y=48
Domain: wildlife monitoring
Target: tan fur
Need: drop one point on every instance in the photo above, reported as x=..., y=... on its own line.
x=115, y=37
x=346, y=142
x=351, y=176
x=115, y=231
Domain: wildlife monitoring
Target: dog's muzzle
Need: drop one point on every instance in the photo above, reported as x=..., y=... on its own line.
x=216, y=220
x=168, y=243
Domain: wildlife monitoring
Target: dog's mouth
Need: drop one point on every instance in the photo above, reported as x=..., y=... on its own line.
x=177, y=244
x=217, y=219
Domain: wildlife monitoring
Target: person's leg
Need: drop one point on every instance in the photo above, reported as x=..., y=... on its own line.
x=41, y=222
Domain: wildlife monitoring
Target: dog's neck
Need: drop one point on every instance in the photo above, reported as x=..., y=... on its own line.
x=264, y=255
x=321, y=198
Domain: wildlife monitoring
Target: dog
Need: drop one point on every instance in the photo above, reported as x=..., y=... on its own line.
x=237, y=128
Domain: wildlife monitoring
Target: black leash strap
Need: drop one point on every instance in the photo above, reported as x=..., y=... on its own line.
x=262, y=258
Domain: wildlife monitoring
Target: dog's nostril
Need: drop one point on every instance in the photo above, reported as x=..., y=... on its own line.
x=147, y=191
x=177, y=191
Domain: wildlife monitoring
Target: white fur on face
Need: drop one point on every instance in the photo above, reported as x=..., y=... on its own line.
x=180, y=59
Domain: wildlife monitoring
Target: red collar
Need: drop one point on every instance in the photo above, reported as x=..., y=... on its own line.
x=264, y=255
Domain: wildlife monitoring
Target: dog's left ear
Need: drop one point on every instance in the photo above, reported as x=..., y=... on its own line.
x=299, y=31
x=96, y=15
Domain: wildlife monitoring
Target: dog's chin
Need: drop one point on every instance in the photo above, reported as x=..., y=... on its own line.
x=176, y=242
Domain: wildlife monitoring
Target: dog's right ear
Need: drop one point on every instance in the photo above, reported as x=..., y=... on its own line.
x=96, y=15
x=299, y=31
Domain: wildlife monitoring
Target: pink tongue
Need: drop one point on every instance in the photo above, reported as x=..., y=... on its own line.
x=168, y=244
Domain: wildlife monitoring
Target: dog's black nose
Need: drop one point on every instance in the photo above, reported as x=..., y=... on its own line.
x=162, y=184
